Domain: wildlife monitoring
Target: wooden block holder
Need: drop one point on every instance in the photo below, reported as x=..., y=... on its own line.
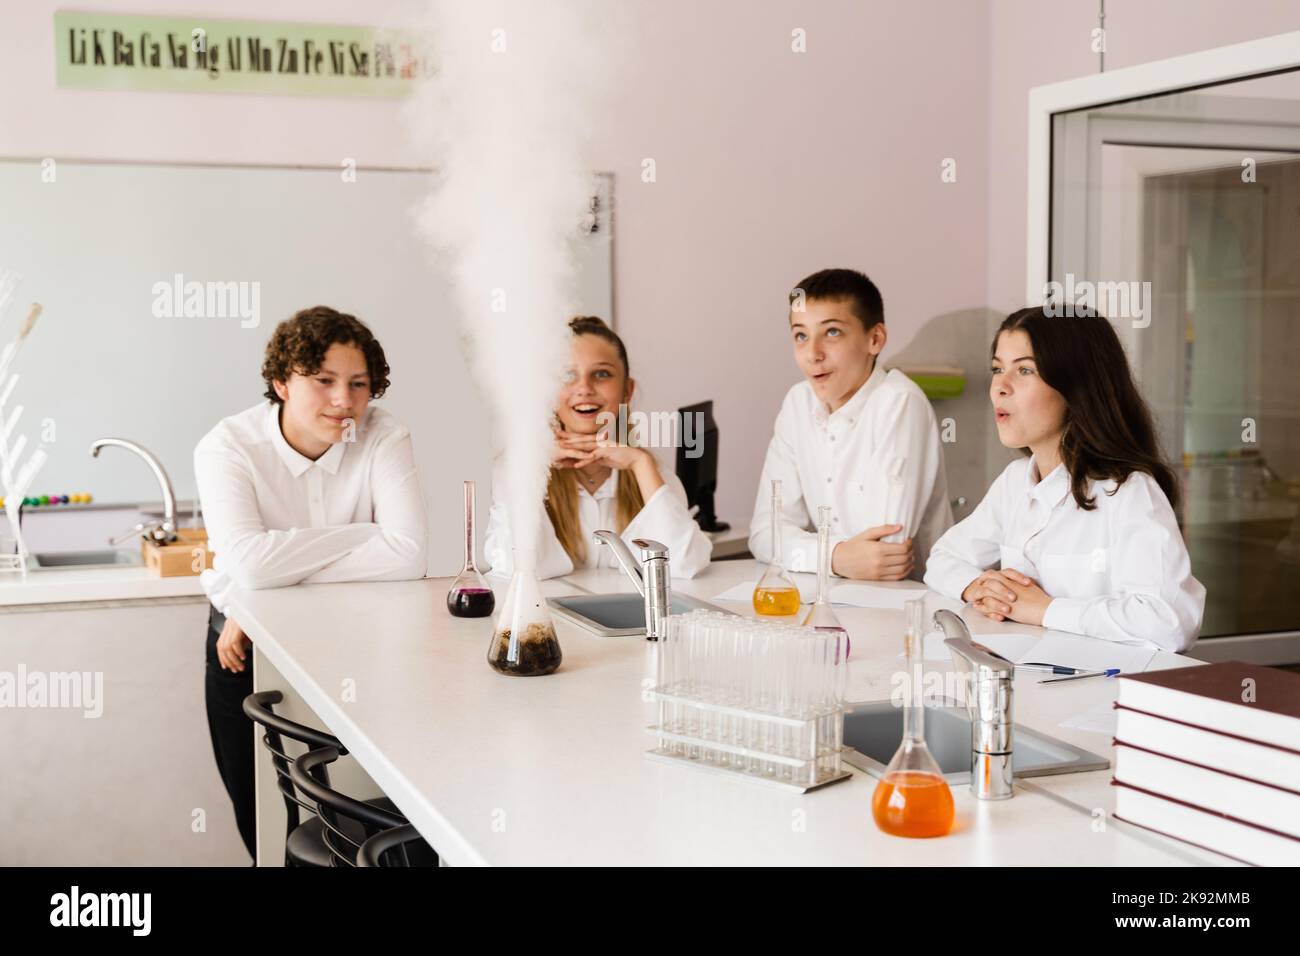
x=178, y=558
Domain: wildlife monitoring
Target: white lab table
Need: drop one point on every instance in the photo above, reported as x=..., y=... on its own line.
x=505, y=770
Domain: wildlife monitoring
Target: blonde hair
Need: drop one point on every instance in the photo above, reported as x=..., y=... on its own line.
x=562, y=483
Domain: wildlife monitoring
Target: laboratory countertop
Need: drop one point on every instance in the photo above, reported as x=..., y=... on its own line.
x=507, y=770
x=78, y=585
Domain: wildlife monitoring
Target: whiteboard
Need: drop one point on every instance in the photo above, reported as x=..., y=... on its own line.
x=91, y=245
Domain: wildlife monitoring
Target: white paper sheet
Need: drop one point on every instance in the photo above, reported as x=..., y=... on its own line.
x=1070, y=650
x=1052, y=647
x=1011, y=646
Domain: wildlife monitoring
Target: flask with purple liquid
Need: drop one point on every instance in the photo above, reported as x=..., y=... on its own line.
x=470, y=595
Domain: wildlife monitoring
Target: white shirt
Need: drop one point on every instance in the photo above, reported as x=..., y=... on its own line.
x=875, y=460
x=1119, y=572
x=275, y=517
x=664, y=518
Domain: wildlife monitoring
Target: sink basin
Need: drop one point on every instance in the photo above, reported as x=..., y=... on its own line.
x=874, y=730
x=63, y=560
x=616, y=615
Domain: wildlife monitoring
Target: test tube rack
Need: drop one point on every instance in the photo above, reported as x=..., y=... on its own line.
x=794, y=742
x=803, y=754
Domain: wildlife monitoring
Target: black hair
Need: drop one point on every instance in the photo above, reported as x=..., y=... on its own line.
x=844, y=284
x=1109, y=432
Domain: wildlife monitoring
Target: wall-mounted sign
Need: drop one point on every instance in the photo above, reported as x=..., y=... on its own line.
x=109, y=51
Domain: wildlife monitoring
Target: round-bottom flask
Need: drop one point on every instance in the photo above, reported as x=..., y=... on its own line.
x=470, y=595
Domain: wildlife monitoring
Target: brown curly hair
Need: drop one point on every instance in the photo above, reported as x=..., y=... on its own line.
x=299, y=345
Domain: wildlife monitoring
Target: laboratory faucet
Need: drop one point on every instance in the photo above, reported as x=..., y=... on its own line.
x=165, y=532
x=988, y=702
x=650, y=576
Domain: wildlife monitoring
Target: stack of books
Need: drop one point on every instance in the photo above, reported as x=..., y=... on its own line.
x=1211, y=756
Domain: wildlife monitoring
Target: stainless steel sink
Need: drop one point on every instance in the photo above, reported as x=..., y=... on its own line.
x=616, y=615
x=874, y=730
x=65, y=560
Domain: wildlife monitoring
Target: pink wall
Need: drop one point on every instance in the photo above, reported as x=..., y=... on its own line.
x=770, y=163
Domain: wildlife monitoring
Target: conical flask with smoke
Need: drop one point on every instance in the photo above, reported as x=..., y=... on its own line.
x=523, y=636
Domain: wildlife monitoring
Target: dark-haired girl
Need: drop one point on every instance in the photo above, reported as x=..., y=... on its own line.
x=1080, y=535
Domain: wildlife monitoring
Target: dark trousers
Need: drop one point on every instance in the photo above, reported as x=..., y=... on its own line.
x=231, y=731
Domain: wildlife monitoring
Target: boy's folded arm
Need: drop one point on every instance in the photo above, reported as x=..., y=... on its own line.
x=386, y=556
x=275, y=559
x=248, y=553
x=399, y=550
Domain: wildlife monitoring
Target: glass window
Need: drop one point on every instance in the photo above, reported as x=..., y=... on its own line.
x=1179, y=215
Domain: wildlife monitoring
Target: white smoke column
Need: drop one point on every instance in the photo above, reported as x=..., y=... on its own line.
x=505, y=122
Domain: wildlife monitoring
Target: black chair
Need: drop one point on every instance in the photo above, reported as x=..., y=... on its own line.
x=304, y=843
x=400, y=846
x=348, y=822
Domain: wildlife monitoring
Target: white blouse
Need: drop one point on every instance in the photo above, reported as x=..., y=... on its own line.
x=1120, y=572
x=875, y=460
x=664, y=518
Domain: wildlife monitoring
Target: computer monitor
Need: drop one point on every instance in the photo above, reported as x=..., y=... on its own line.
x=697, y=465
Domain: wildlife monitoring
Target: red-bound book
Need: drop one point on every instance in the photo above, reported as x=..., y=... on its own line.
x=1211, y=756
x=1249, y=701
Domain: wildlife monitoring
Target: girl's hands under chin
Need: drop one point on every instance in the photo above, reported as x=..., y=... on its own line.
x=618, y=457
x=571, y=450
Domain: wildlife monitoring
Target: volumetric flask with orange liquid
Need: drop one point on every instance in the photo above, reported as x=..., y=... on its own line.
x=913, y=799
x=776, y=594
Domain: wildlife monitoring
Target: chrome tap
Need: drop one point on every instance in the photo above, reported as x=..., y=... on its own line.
x=650, y=576
x=165, y=532
x=988, y=702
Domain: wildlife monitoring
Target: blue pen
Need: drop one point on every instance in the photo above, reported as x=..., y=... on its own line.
x=1109, y=672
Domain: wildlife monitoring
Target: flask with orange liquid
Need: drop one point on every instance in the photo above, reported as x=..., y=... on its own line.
x=776, y=595
x=912, y=799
